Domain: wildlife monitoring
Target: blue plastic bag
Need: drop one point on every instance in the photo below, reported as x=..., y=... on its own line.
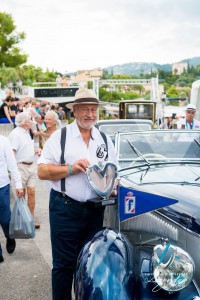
x=21, y=223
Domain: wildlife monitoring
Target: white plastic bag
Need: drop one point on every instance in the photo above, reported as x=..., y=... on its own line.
x=21, y=223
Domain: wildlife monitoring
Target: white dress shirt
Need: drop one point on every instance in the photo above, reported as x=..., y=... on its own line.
x=195, y=124
x=77, y=186
x=22, y=143
x=8, y=162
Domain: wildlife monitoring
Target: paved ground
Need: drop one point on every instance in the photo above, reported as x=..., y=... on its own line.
x=26, y=274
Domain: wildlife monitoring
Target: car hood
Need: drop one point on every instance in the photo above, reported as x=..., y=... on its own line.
x=177, y=182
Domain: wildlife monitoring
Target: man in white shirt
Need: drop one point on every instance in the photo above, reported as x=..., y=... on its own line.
x=7, y=162
x=23, y=147
x=189, y=122
x=72, y=221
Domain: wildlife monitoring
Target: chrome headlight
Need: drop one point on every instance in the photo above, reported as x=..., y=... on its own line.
x=173, y=268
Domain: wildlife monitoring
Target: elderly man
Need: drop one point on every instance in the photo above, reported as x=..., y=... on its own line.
x=23, y=147
x=7, y=162
x=189, y=122
x=72, y=221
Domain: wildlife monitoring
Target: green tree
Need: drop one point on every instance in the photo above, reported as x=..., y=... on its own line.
x=172, y=92
x=8, y=74
x=140, y=88
x=10, y=54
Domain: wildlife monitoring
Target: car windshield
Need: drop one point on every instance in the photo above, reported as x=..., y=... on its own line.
x=111, y=129
x=158, y=145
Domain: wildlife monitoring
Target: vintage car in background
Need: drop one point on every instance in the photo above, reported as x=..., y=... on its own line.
x=113, y=126
x=162, y=164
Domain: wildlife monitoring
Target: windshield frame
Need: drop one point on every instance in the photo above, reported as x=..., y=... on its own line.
x=178, y=145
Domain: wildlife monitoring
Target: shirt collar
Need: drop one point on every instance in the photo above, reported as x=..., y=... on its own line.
x=22, y=129
x=75, y=129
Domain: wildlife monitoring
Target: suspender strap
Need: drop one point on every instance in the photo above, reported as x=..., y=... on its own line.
x=106, y=143
x=62, y=159
x=62, y=144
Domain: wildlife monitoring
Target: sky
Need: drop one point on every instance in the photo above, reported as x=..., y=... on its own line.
x=71, y=35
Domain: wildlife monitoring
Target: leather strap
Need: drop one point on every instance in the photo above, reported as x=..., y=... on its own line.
x=62, y=159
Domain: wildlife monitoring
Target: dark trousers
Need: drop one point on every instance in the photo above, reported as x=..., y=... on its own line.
x=72, y=224
x=5, y=211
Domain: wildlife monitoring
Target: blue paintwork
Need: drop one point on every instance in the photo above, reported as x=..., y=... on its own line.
x=175, y=182
x=105, y=268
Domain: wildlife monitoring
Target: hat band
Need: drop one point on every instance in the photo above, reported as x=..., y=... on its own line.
x=86, y=100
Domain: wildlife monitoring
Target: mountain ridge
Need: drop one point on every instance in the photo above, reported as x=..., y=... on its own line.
x=138, y=68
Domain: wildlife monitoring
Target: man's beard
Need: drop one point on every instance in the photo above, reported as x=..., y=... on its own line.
x=85, y=126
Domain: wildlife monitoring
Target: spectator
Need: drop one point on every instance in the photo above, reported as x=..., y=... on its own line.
x=72, y=221
x=37, y=107
x=42, y=122
x=61, y=113
x=23, y=147
x=37, y=130
x=189, y=122
x=52, y=123
x=5, y=111
x=42, y=109
x=14, y=108
x=20, y=105
x=7, y=162
x=47, y=108
x=27, y=106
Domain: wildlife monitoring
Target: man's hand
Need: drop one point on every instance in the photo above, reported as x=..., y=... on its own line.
x=80, y=166
x=19, y=192
x=113, y=193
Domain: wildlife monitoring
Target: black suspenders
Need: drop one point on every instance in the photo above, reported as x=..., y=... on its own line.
x=62, y=159
x=62, y=144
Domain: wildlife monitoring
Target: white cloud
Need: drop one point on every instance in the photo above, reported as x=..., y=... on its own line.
x=67, y=35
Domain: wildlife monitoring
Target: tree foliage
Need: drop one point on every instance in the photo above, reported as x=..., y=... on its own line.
x=27, y=73
x=10, y=54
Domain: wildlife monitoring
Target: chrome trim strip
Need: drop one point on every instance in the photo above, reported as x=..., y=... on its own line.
x=163, y=215
x=183, y=227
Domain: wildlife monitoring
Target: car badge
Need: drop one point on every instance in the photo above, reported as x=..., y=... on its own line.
x=130, y=202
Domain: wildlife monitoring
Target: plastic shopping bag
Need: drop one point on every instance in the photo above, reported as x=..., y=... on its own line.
x=21, y=223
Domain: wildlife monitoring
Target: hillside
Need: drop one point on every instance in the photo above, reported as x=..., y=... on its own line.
x=137, y=68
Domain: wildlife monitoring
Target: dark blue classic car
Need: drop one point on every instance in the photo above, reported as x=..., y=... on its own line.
x=151, y=247
x=164, y=163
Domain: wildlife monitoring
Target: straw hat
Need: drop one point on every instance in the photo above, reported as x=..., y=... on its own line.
x=85, y=96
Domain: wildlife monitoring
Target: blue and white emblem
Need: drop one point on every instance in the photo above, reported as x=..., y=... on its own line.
x=130, y=202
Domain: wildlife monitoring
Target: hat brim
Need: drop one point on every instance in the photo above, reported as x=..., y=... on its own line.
x=189, y=108
x=71, y=105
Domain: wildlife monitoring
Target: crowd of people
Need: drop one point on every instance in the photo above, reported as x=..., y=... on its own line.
x=12, y=105
x=33, y=123
x=34, y=141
